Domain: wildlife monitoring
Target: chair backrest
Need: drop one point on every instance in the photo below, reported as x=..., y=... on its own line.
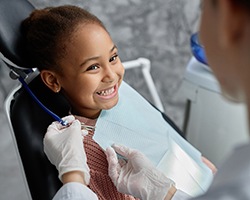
x=12, y=13
x=28, y=121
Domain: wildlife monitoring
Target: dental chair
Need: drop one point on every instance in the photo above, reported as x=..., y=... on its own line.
x=28, y=121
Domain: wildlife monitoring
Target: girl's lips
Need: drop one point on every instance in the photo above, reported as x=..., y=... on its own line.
x=108, y=93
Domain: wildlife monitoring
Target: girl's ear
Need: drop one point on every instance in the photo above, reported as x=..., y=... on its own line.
x=50, y=80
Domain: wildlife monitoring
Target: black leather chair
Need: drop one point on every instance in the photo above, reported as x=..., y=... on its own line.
x=28, y=121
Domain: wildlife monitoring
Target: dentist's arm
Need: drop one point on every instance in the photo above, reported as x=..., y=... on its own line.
x=138, y=177
x=64, y=148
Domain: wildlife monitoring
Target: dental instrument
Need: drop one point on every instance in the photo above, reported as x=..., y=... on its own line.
x=87, y=127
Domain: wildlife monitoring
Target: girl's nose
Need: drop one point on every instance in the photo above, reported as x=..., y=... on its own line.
x=109, y=74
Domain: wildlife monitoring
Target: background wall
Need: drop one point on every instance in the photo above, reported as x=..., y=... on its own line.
x=158, y=30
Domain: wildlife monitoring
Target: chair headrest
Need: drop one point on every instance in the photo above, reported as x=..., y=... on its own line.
x=12, y=13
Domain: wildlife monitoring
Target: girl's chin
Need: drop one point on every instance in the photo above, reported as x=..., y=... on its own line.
x=110, y=105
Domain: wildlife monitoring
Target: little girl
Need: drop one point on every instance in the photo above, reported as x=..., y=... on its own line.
x=77, y=57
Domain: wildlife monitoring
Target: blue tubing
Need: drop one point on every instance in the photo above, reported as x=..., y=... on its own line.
x=197, y=49
x=56, y=117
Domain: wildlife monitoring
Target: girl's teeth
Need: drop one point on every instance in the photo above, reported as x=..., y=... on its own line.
x=106, y=92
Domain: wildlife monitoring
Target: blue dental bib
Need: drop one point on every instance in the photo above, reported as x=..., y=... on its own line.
x=135, y=123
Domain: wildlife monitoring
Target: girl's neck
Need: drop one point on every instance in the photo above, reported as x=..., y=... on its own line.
x=88, y=115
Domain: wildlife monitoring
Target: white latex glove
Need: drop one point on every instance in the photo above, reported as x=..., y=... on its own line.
x=64, y=147
x=137, y=176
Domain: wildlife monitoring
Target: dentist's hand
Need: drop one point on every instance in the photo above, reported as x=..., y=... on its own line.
x=137, y=176
x=64, y=149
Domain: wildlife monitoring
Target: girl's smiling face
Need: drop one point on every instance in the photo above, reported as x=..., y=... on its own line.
x=91, y=71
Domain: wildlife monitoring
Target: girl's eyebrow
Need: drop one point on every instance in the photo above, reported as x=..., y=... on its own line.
x=96, y=57
x=89, y=59
x=113, y=48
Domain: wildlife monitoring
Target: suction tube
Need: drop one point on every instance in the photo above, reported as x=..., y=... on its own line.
x=56, y=117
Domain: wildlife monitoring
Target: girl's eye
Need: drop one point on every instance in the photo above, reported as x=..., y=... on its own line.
x=92, y=67
x=113, y=58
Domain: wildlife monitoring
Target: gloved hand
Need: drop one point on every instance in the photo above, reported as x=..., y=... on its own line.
x=137, y=176
x=64, y=147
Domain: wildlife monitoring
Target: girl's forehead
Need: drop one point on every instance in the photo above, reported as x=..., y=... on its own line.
x=89, y=40
x=87, y=30
x=84, y=30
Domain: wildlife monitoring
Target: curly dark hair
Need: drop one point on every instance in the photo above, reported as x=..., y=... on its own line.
x=47, y=32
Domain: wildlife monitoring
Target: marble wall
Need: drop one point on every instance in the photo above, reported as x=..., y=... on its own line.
x=158, y=30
